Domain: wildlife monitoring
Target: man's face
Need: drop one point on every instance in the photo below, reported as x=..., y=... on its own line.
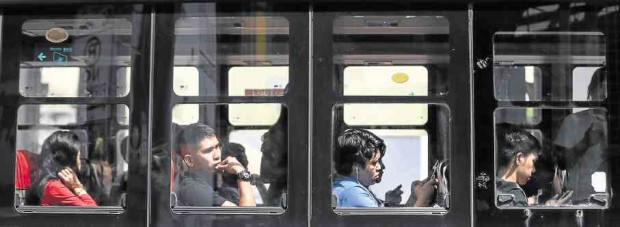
x=273, y=162
x=370, y=174
x=381, y=171
x=525, y=167
x=206, y=156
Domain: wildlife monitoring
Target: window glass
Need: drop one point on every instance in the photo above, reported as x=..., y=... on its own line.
x=252, y=142
x=75, y=57
x=68, y=129
x=62, y=114
x=520, y=116
x=585, y=75
x=404, y=144
x=248, y=114
x=522, y=83
x=386, y=80
x=549, y=66
x=185, y=114
x=391, y=55
x=261, y=147
x=186, y=81
x=122, y=115
x=254, y=50
x=257, y=81
x=562, y=164
x=385, y=114
x=253, y=114
x=413, y=154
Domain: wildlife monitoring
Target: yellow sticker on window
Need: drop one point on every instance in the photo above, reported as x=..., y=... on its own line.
x=400, y=78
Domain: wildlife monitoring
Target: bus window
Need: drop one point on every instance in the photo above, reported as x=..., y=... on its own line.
x=559, y=165
x=75, y=57
x=403, y=144
x=265, y=81
x=257, y=81
x=386, y=81
x=272, y=82
x=122, y=115
x=253, y=114
x=238, y=114
x=259, y=143
x=185, y=114
x=391, y=55
x=254, y=50
x=583, y=76
x=388, y=114
x=409, y=156
x=518, y=83
x=48, y=84
x=185, y=81
x=251, y=140
x=563, y=62
x=52, y=134
x=521, y=116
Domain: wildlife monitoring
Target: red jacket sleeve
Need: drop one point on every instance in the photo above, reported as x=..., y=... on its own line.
x=57, y=194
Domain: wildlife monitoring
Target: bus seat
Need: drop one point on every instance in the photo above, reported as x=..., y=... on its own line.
x=22, y=169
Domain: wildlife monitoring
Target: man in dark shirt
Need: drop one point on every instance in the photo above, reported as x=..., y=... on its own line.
x=517, y=150
x=581, y=143
x=200, y=152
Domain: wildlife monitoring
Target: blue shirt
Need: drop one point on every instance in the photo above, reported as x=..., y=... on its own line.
x=350, y=193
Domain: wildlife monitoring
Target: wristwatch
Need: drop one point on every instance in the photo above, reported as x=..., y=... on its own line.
x=244, y=175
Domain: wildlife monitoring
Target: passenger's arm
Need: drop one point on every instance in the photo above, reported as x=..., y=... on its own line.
x=424, y=192
x=70, y=191
x=58, y=194
x=246, y=195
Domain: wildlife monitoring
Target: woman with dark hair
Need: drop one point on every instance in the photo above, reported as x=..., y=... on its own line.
x=274, y=161
x=56, y=183
x=357, y=166
x=358, y=163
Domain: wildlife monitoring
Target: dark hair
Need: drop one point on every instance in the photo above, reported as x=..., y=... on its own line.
x=238, y=151
x=192, y=135
x=513, y=140
x=356, y=146
x=59, y=150
x=597, y=89
x=274, y=149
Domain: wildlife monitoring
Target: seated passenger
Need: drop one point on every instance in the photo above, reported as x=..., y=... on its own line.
x=274, y=161
x=119, y=188
x=24, y=161
x=517, y=152
x=97, y=173
x=56, y=183
x=581, y=143
x=358, y=165
x=200, y=152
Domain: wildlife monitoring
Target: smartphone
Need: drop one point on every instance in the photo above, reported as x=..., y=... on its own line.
x=433, y=174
